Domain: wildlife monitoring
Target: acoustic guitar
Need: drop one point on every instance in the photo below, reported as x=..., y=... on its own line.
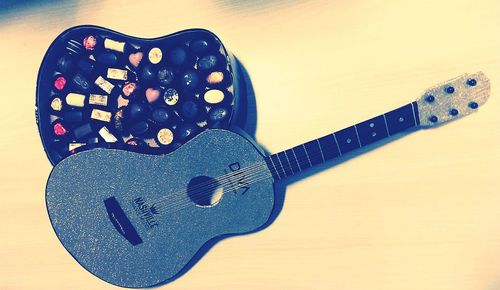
x=137, y=220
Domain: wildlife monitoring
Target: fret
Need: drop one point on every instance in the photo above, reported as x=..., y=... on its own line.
x=329, y=147
x=302, y=158
x=400, y=119
x=347, y=139
x=292, y=160
x=313, y=152
x=289, y=162
x=372, y=130
x=285, y=164
x=272, y=168
x=278, y=166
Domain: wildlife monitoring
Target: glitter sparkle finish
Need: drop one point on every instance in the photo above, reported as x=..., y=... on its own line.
x=78, y=186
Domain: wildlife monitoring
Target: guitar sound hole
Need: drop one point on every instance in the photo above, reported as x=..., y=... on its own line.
x=204, y=191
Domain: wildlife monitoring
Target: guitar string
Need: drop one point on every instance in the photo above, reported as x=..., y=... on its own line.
x=187, y=203
x=257, y=175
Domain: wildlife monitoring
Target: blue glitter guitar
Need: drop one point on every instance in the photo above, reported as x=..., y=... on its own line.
x=137, y=220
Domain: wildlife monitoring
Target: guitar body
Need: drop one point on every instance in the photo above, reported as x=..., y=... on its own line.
x=137, y=220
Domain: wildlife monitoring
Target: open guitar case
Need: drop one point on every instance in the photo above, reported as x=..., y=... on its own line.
x=78, y=98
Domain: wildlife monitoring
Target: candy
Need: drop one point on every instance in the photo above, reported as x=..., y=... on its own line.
x=213, y=96
x=86, y=66
x=56, y=104
x=65, y=64
x=137, y=111
x=165, y=136
x=101, y=100
x=199, y=46
x=117, y=74
x=170, y=96
x=186, y=131
x=107, y=136
x=135, y=58
x=152, y=95
x=104, y=84
x=139, y=128
x=114, y=45
x=73, y=116
x=189, y=109
x=118, y=120
x=122, y=102
x=60, y=83
x=190, y=80
x=81, y=82
x=178, y=56
x=100, y=115
x=107, y=58
x=128, y=89
x=217, y=115
x=59, y=129
x=207, y=62
x=215, y=77
x=155, y=55
x=148, y=74
x=82, y=131
x=75, y=100
x=73, y=146
x=89, y=42
x=160, y=115
x=166, y=76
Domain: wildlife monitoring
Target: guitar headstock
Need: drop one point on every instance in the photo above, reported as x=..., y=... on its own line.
x=453, y=99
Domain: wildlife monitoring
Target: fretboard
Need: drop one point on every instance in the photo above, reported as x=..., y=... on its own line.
x=292, y=161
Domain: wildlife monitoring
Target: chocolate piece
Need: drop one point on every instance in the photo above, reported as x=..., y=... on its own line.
x=92, y=141
x=75, y=100
x=178, y=56
x=136, y=142
x=190, y=80
x=81, y=82
x=104, y=84
x=82, y=131
x=155, y=55
x=215, y=78
x=128, y=89
x=117, y=74
x=217, y=115
x=148, y=74
x=107, y=58
x=166, y=76
x=118, y=120
x=86, y=66
x=73, y=146
x=73, y=116
x=100, y=115
x=101, y=100
x=190, y=109
x=199, y=46
x=122, y=102
x=89, y=42
x=56, y=104
x=139, y=128
x=160, y=115
x=65, y=64
x=186, y=131
x=213, y=96
x=59, y=129
x=152, y=95
x=171, y=97
x=135, y=58
x=137, y=111
x=207, y=62
x=60, y=82
x=165, y=136
x=107, y=136
x=74, y=47
x=114, y=45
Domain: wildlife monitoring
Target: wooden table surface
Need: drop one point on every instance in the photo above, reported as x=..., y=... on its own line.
x=422, y=212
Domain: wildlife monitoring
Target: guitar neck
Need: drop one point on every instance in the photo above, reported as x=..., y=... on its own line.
x=439, y=104
x=294, y=160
